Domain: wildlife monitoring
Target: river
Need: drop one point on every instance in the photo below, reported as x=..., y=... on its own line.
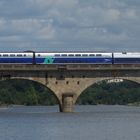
x=101, y=122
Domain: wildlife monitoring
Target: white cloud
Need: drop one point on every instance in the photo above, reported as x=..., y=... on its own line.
x=2, y=23
x=113, y=14
x=70, y=23
x=131, y=13
x=46, y=33
x=26, y=25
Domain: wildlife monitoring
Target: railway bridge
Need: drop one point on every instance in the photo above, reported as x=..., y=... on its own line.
x=67, y=82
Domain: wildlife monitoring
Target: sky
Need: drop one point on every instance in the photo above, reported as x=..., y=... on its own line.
x=70, y=25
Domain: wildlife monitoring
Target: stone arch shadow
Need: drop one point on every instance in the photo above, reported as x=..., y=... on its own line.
x=104, y=79
x=40, y=83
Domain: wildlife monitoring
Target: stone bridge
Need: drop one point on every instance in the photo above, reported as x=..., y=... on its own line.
x=67, y=82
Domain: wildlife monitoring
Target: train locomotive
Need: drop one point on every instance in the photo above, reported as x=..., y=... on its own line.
x=70, y=58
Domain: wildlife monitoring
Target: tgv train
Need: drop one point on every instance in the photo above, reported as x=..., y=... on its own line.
x=70, y=58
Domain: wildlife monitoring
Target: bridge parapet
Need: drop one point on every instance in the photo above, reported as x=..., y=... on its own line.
x=69, y=67
x=103, y=67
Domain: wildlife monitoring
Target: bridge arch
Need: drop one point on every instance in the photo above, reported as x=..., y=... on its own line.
x=98, y=80
x=38, y=82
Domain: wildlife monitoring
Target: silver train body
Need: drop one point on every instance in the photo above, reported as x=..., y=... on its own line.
x=70, y=58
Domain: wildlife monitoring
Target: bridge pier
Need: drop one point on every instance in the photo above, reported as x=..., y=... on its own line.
x=67, y=102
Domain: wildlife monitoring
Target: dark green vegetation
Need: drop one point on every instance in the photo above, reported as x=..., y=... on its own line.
x=114, y=93
x=24, y=92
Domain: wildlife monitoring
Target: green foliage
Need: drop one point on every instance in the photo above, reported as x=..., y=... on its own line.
x=114, y=93
x=23, y=92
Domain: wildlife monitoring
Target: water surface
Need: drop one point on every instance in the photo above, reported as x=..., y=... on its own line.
x=87, y=123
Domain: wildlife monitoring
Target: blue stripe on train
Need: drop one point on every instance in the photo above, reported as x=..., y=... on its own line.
x=16, y=60
x=126, y=60
x=58, y=60
x=39, y=60
x=83, y=60
x=78, y=60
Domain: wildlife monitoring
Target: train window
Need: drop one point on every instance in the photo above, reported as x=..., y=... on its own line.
x=63, y=54
x=19, y=55
x=57, y=55
x=24, y=55
x=0, y=55
x=12, y=55
x=77, y=54
x=98, y=55
x=71, y=55
x=39, y=55
x=5, y=55
x=84, y=54
x=91, y=54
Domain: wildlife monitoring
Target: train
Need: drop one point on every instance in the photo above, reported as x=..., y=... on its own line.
x=70, y=58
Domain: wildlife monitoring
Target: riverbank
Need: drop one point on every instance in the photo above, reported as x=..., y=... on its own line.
x=134, y=104
x=17, y=105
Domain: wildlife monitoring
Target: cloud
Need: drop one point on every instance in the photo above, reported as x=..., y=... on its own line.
x=70, y=25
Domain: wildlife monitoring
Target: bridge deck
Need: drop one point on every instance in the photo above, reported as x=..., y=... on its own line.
x=28, y=67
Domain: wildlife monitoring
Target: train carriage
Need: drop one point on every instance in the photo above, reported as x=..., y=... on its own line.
x=73, y=58
x=126, y=58
x=16, y=58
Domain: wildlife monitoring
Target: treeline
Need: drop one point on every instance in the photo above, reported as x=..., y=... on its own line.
x=24, y=92
x=113, y=93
